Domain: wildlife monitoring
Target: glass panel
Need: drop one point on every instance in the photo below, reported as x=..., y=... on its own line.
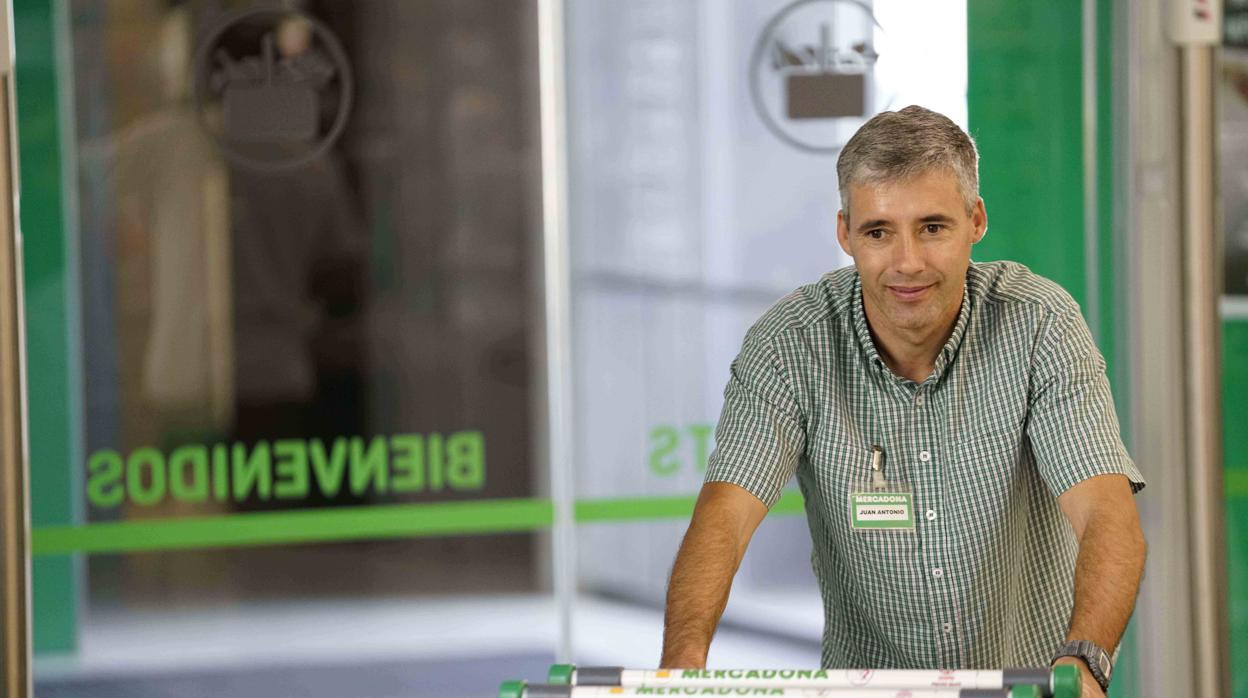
x=309, y=291
x=704, y=138
x=1233, y=163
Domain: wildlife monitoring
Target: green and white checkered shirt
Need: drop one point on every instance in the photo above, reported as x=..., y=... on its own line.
x=1017, y=410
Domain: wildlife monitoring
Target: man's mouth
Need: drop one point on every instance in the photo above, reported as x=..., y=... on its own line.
x=910, y=293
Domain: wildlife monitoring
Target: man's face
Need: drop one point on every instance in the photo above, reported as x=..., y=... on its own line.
x=911, y=242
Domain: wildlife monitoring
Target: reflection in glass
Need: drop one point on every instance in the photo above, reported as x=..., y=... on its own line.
x=307, y=234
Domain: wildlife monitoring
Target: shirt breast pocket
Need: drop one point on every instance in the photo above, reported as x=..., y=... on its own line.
x=986, y=478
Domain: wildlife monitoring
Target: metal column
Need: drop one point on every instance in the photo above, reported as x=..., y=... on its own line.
x=14, y=499
x=1201, y=287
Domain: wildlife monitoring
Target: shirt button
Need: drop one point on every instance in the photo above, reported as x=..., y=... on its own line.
x=947, y=627
x=931, y=514
x=938, y=573
x=918, y=400
x=924, y=456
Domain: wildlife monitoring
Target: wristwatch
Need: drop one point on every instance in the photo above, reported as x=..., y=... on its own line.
x=1097, y=659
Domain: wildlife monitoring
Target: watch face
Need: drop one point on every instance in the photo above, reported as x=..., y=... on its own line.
x=1103, y=661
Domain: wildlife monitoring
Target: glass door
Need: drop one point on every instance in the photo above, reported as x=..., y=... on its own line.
x=283, y=290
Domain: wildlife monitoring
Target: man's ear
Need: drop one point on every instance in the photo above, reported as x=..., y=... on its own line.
x=842, y=231
x=979, y=219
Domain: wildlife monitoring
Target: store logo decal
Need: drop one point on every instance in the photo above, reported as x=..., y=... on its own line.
x=811, y=72
x=273, y=88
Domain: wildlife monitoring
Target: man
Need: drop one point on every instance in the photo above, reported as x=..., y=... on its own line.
x=952, y=430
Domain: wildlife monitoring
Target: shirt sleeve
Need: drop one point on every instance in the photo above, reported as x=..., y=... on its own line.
x=760, y=436
x=1072, y=425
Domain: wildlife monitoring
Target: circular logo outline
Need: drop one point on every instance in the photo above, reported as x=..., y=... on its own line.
x=756, y=55
x=859, y=677
x=201, y=66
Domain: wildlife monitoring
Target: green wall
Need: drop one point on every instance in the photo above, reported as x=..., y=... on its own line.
x=1025, y=97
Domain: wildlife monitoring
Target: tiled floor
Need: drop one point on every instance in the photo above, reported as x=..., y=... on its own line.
x=447, y=648
x=464, y=678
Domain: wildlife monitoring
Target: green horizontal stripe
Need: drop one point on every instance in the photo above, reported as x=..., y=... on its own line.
x=1236, y=482
x=357, y=523
x=790, y=503
x=389, y=521
x=304, y=526
x=634, y=509
x=657, y=508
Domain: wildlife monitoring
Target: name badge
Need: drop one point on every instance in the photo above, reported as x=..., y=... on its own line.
x=878, y=504
x=890, y=509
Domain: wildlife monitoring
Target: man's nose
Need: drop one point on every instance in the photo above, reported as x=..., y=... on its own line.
x=907, y=256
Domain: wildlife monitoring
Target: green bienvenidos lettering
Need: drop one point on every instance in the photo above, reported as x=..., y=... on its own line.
x=104, y=478
x=465, y=460
x=407, y=453
x=328, y=469
x=288, y=469
x=437, y=462
x=149, y=494
x=290, y=465
x=368, y=466
x=220, y=472
x=194, y=458
x=252, y=472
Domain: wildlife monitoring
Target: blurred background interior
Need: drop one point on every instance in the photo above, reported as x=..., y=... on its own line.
x=375, y=347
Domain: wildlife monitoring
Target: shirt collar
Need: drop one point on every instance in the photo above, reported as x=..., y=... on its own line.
x=947, y=353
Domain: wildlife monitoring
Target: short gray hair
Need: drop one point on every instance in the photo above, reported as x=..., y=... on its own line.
x=902, y=144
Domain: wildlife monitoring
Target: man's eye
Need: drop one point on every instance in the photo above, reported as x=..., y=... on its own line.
x=875, y=234
x=934, y=228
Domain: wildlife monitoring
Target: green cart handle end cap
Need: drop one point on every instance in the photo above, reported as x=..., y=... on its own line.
x=1032, y=691
x=560, y=674
x=1066, y=681
x=511, y=689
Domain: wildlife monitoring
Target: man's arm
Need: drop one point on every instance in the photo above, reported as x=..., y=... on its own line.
x=1102, y=511
x=723, y=522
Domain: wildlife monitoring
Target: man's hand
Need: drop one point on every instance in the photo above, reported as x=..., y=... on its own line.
x=723, y=522
x=1091, y=689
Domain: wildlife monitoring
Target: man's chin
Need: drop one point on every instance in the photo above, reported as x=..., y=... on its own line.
x=910, y=319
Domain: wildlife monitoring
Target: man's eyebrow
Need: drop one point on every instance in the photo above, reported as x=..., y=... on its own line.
x=868, y=225
x=936, y=218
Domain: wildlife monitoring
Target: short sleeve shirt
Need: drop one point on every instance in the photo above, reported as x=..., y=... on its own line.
x=1016, y=411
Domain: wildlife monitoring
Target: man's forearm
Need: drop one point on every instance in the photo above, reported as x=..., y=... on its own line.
x=698, y=591
x=1107, y=577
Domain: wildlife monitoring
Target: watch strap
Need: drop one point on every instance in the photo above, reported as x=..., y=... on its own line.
x=1098, y=661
